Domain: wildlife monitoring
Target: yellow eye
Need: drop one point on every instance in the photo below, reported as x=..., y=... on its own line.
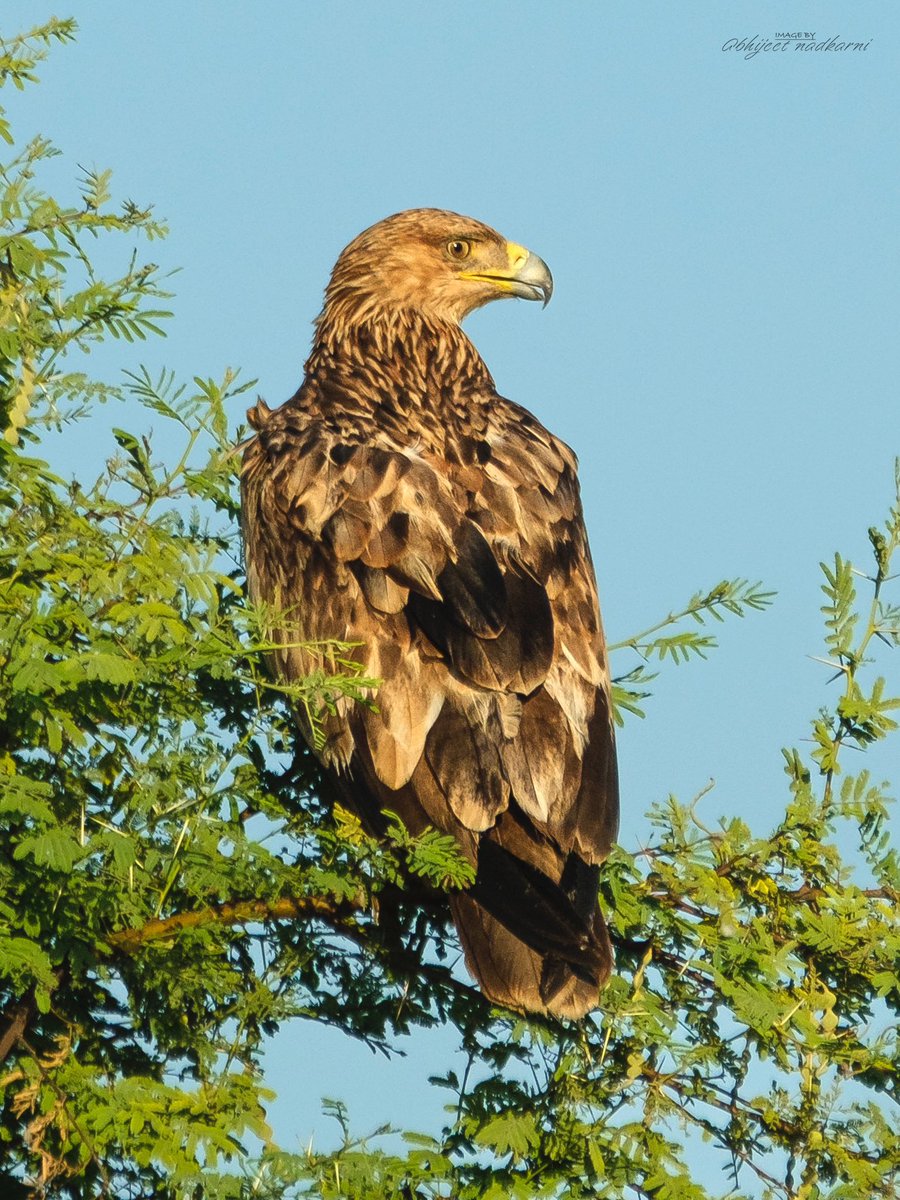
x=459, y=248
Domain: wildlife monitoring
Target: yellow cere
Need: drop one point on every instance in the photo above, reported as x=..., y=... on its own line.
x=516, y=254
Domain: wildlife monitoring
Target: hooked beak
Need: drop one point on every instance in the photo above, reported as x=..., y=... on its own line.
x=533, y=280
x=528, y=276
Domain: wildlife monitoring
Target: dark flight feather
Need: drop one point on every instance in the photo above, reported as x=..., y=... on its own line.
x=396, y=500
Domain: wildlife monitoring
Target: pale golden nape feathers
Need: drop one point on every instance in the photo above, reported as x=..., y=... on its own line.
x=396, y=500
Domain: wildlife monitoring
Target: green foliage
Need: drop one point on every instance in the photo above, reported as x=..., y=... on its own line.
x=432, y=855
x=20, y=55
x=173, y=888
x=735, y=597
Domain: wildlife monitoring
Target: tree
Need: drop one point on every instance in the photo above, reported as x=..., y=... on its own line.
x=174, y=888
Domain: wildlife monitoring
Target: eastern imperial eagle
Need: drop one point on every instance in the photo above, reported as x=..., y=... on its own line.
x=396, y=500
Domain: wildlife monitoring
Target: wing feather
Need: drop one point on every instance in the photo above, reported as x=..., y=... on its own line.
x=409, y=702
x=542, y=763
x=465, y=762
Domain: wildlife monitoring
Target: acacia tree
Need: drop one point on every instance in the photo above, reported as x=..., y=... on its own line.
x=173, y=889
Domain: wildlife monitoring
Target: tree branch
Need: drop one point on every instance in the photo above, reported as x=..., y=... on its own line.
x=240, y=912
x=21, y=1015
x=335, y=914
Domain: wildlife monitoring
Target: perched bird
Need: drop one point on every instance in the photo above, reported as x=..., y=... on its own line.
x=398, y=501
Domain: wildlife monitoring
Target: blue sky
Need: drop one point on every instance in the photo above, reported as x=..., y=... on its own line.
x=721, y=349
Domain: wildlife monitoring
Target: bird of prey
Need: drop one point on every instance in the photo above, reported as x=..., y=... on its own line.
x=399, y=502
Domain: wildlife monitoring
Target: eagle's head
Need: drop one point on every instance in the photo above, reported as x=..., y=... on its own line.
x=434, y=263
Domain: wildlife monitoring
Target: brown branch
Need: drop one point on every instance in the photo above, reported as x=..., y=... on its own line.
x=780, y=1130
x=240, y=912
x=336, y=914
x=45, y=1068
x=25, y=1012
x=773, y=1125
x=21, y=1015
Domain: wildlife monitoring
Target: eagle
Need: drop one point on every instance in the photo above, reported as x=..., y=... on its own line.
x=398, y=502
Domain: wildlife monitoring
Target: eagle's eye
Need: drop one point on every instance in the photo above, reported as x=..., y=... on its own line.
x=459, y=248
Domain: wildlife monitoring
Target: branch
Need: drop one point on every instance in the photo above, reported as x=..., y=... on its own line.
x=240, y=912
x=733, y=595
x=334, y=914
x=22, y=1014
x=45, y=1069
x=25, y=1012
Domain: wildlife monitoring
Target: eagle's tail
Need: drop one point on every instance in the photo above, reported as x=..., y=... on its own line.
x=533, y=935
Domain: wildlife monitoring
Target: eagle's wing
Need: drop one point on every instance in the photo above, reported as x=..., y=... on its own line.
x=467, y=581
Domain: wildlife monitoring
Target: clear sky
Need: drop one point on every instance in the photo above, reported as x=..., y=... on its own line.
x=721, y=349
